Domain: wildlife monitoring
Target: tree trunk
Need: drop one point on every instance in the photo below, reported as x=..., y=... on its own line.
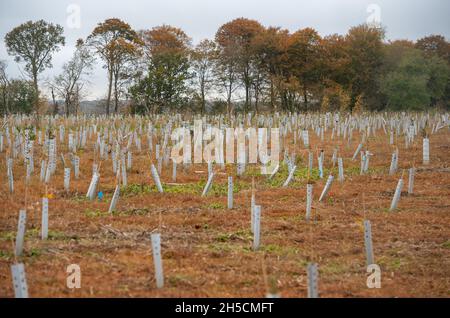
x=116, y=95
x=36, y=93
x=5, y=98
x=108, y=99
x=77, y=100
x=256, y=97
x=55, y=104
x=247, y=96
x=202, y=95
x=203, y=101
x=305, y=97
x=67, y=101
x=247, y=83
x=272, y=95
x=284, y=100
x=229, y=99
x=36, y=98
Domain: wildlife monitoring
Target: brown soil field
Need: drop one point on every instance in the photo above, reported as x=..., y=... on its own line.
x=206, y=248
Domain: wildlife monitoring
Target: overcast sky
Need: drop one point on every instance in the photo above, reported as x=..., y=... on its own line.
x=404, y=19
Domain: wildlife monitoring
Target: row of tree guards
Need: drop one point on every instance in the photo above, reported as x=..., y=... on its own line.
x=114, y=139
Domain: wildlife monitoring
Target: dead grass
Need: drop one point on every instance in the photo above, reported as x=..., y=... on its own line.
x=207, y=248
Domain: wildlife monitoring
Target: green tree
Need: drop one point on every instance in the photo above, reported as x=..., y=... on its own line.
x=416, y=82
x=435, y=45
x=20, y=96
x=439, y=81
x=34, y=43
x=165, y=84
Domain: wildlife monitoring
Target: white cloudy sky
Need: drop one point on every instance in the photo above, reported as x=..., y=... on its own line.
x=404, y=19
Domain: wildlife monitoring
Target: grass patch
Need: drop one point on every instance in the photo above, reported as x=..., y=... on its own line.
x=253, y=171
x=356, y=171
x=7, y=236
x=80, y=198
x=6, y=256
x=34, y=252
x=178, y=280
x=35, y=233
x=300, y=176
x=136, y=189
x=396, y=263
x=334, y=268
x=223, y=237
x=391, y=263
x=228, y=242
x=95, y=213
x=279, y=250
x=137, y=211
x=228, y=247
x=189, y=188
x=220, y=247
x=303, y=262
x=216, y=206
x=58, y=235
x=217, y=189
x=244, y=234
x=241, y=235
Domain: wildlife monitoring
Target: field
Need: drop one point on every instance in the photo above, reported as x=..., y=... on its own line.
x=207, y=248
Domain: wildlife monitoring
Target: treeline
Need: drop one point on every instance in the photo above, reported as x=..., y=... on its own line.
x=246, y=67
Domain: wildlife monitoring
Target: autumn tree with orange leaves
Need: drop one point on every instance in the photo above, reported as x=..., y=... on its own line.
x=251, y=67
x=271, y=55
x=305, y=60
x=117, y=44
x=237, y=55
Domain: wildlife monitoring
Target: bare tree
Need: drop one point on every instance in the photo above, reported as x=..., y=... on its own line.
x=71, y=81
x=124, y=70
x=203, y=58
x=4, y=85
x=226, y=73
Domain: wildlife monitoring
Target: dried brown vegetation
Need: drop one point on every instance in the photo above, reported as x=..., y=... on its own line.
x=206, y=249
